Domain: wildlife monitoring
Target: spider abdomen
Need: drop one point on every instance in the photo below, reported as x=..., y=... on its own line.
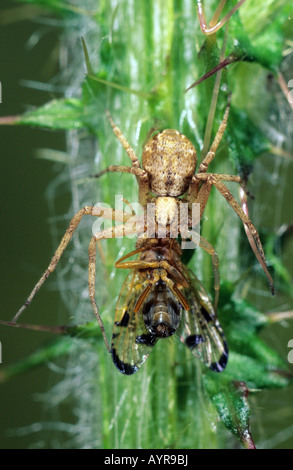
x=170, y=160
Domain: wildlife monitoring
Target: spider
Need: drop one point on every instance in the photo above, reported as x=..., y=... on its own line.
x=168, y=171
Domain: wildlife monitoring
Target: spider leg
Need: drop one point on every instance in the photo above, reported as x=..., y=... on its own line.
x=135, y=169
x=112, y=232
x=243, y=198
x=222, y=177
x=75, y=221
x=193, y=190
x=214, y=26
x=206, y=246
x=92, y=289
x=58, y=253
x=200, y=195
x=222, y=188
x=142, y=175
x=204, y=192
x=129, y=150
x=121, y=169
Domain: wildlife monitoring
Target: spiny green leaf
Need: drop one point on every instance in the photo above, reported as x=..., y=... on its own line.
x=233, y=409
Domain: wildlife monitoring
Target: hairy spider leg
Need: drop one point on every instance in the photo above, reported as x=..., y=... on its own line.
x=124, y=141
x=214, y=180
x=117, y=231
x=112, y=232
x=201, y=194
x=218, y=137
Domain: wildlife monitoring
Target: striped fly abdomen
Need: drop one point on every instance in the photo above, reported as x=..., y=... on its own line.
x=162, y=311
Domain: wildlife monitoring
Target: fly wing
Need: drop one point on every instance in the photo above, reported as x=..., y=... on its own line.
x=202, y=332
x=131, y=341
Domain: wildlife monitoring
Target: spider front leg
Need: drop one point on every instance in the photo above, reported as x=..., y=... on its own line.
x=121, y=169
x=202, y=183
x=197, y=194
x=201, y=196
x=135, y=169
x=218, y=137
x=129, y=150
x=141, y=175
x=214, y=24
x=75, y=221
x=211, y=179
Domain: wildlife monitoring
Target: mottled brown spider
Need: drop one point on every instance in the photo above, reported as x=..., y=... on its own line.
x=167, y=173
